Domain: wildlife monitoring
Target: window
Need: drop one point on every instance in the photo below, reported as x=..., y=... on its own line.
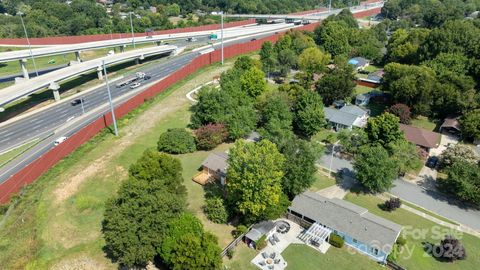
x=375, y=251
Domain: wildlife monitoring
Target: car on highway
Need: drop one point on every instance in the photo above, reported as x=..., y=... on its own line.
x=77, y=101
x=60, y=140
x=147, y=77
x=191, y=39
x=135, y=85
x=432, y=162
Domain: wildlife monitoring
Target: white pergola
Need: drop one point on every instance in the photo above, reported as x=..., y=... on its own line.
x=316, y=233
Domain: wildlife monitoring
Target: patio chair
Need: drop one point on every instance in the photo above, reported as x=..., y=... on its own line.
x=264, y=255
x=270, y=239
x=276, y=261
x=273, y=255
x=275, y=237
x=261, y=263
x=270, y=267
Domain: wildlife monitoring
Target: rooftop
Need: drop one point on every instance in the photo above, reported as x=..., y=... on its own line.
x=347, y=218
x=420, y=136
x=217, y=162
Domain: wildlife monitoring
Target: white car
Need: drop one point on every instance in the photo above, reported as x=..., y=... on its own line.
x=60, y=140
x=135, y=85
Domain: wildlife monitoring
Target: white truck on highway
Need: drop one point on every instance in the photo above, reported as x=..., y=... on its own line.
x=138, y=76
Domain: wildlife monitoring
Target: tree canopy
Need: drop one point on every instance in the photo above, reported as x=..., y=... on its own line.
x=375, y=169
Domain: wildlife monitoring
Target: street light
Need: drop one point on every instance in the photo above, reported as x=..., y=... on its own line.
x=28, y=41
x=331, y=158
x=110, y=99
x=131, y=27
x=81, y=103
x=221, y=33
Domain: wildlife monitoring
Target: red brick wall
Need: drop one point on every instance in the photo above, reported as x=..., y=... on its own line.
x=91, y=38
x=35, y=169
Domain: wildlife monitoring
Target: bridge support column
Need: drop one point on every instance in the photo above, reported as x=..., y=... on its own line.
x=77, y=55
x=159, y=43
x=122, y=48
x=24, y=68
x=137, y=61
x=54, y=87
x=100, y=73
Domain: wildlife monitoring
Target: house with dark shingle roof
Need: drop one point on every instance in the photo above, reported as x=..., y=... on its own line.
x=214, y=167
x=348, y=116
x=361, y=230
x=359, y=63
x=421, y=137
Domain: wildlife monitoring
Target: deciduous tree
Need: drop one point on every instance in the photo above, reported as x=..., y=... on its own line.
x=309, y=116
x=384, y=129
x=375, y=169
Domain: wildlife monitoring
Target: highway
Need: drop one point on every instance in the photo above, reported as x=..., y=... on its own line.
x=58, y=119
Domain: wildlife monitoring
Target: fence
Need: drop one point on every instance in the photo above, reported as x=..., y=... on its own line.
x=394, y=266
x=35, y=169
x=90, y=38
x=234, y=243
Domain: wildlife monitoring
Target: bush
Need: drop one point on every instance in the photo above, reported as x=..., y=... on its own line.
x=402, y=111
x=401, y=240
x=211, y=135
x=392, y=204
x=230, y=253
x=336, y=240
x=4, y=208
x=241, y=229
x=450, y=249
x=393, y=256
x=215, y=210
x=261, y=243
x=176, y=141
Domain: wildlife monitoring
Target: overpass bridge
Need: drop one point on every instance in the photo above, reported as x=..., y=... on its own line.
x=23, y=55
x=51, y=80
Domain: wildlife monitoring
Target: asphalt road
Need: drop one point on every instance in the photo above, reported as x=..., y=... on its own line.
x=63, y=119
x=426, y=198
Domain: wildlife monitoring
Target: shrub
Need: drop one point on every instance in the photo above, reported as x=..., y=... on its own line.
x=336, y=240
x=261, y=243
x=241, y=229
x=211, y=135
x=392, y=204
x=84, y=202
x=4, y=208
x=176, y=141
x=230, y=253
x=401, y=240
x=450, y=249
x=402, y=111
x=393, y=256
x=215, y=210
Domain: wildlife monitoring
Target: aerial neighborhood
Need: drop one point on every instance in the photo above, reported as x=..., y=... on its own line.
x=233, y=135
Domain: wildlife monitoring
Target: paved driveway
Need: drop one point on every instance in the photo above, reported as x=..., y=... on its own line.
x=421, y=195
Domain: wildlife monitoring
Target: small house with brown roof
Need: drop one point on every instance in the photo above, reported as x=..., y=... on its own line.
x=451, y=125
x=421, y=137
x=214, y=167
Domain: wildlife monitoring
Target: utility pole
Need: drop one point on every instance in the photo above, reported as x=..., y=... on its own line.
x=81, y=103
x=221, y=31
x=329, y=5
x=110, y=99
x=131, y=27
x=28, y=41
x=331, y=158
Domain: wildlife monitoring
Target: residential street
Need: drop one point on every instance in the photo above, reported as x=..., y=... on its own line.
x=416, y=194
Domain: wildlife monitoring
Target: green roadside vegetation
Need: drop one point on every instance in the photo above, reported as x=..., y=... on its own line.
x=6, y=157
x=417, y=231
x=424, y=122
x=57, y=222
x=299, y=257
x=322, y=181
x=325, y=135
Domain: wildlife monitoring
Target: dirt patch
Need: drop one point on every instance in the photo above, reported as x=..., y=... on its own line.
x=81, y=263
x=131, y=133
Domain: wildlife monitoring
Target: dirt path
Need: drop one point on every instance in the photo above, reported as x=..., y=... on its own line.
x=129, y=134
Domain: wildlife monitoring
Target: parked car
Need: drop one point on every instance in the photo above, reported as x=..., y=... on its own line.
x=191, y=39
x=77, y=101
x=60, y=140
x=135, y=85
x=147, y=77
x=432, y=162
x=253, y=39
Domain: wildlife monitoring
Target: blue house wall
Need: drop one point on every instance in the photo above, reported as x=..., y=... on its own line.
x=363, y=248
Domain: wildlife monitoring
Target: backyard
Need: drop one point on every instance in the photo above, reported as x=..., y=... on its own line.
x=418, y=230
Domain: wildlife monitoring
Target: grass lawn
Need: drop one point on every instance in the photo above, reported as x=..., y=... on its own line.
x=300, y=257
x=360, y=89
x=57, y=222
x=325, y=135
x=6, y=157
x=322, y=181
x=372, y=68
x=424, y=122
x=376, y=108
x=241, y=258
x=418, y=230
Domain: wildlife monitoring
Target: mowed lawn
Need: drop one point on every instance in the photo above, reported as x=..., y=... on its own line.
x=418, y=230
x=301, y=257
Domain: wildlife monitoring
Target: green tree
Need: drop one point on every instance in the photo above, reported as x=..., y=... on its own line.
x=176, y=141
x=196, y=252
x=405, y=155
x=403, y=46
x=375, y=169
x=456, y=153
x=313, y=60
x=333, y=37
x=352, y=140
x=241, y=121
x=254, y=178
x=464, y=181
x=384, y=129
x=268, y=57
x=215, y=210
x=300, y=158
x=275, y=117
x=253, y=82
x=337, y=84
x=470, y=123
x=309, y=115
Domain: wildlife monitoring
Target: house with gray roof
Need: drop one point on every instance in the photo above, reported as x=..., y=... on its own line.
x=361, y=230
x=258, y=230
x=348, y=116
x=359, y=63
x=214, y=167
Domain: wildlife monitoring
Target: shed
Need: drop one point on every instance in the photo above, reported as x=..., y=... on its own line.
x=421, y=137
x=451, y=125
